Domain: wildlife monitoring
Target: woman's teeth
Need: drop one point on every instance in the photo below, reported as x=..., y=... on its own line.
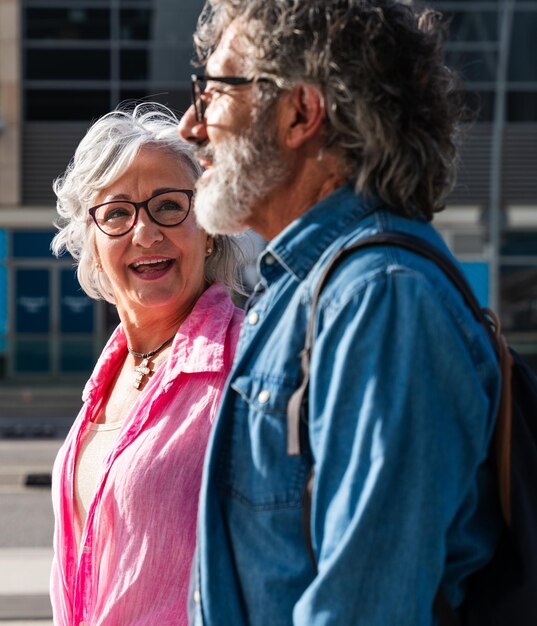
x=151, y=266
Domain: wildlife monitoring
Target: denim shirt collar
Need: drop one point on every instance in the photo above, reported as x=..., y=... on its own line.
x=299, y=246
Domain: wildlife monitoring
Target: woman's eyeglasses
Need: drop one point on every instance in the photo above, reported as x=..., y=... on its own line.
x=166, y=208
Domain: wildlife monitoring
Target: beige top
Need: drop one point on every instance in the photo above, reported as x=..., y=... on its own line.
x=97, y=442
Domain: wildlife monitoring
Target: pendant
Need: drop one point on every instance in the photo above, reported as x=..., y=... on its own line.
x=142, y=371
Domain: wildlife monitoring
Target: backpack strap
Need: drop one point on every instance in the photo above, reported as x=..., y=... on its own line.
x=297, y=408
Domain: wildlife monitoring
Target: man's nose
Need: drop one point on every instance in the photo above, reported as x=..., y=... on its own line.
x=190, y=129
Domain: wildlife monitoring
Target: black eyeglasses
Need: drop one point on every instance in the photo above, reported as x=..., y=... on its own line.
x=166, y=208
x=200, y=99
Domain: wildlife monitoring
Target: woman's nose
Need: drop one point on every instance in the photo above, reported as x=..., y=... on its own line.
x=145, y=231
x=190, y=129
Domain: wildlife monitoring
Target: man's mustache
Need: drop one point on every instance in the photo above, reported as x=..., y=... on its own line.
x=204, y=152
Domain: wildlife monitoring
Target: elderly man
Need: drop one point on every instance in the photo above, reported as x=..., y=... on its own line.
x=320, y=122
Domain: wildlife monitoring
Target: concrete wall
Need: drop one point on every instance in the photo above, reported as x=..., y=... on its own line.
x=10, y=103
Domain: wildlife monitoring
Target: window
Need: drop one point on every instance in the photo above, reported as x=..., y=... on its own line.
x=522, y=66
x=54, y=330
x=474, y=50
x=136, y=24
x=75, y=65
x=64, y=105
x=81, y=55
x=518, y=292
x=67, y=24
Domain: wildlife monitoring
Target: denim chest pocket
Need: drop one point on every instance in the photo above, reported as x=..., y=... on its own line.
x=255, y=467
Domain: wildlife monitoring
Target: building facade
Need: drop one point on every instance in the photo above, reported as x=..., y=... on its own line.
x=63, y=63
x=491, y=220
x=66, y=62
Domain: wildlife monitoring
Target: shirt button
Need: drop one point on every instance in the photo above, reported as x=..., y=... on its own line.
x=253, y=318
x=264, y=396
x=269, y=259
x=196, y=596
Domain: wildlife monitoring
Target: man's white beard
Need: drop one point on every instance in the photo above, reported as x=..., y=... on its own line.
x=244, y=172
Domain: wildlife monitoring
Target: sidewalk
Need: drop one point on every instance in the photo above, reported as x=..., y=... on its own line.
x=24, y=579
x=25, y=571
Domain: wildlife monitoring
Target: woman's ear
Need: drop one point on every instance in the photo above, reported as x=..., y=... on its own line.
x=303, y=115
x=209, y=246
x=98, y=264
x=96, y=257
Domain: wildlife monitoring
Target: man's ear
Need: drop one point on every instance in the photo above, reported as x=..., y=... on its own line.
x=304, y=115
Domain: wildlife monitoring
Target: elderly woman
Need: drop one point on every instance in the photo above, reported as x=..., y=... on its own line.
x=126, y=481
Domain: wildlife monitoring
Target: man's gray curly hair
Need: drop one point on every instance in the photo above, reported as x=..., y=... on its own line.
x=104, y=154
x=392, y=105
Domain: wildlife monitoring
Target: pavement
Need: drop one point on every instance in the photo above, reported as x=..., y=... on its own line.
x=24, y=571
x=24, y=577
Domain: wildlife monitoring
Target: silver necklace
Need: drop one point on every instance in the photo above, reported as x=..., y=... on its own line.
x=144, y=369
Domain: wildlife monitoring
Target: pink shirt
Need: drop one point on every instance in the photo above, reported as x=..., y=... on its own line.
x=138, y=541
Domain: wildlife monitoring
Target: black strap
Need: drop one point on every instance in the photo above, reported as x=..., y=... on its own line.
x=297, y=405
x=442, y=609
x=297, y=409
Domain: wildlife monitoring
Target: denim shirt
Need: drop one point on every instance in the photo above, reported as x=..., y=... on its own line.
x=402, y=399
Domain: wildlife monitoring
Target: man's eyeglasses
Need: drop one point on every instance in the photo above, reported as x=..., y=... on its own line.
x=200, y=99
x=166, y=208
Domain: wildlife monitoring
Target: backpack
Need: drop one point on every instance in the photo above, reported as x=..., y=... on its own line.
x=504, y=592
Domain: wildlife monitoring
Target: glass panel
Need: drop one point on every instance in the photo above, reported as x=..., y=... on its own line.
x=474, y=26
x=480, y=105
x=134, y=65
x=76, y=309
x=3, y=308
x=32, y=356
x=35, y=245
x=518, y=298
x=3, y=244
x=136, y=24
x=156, y=64
x=178, y=101
x=32, y=300
x=76, y=356
x=519, y=243
x=3, y=294
x=111, y=318
x=66, y=64
x=67, y=24
x=522, y=106
x=474, y=65
x=522, y=65
x=66, y=105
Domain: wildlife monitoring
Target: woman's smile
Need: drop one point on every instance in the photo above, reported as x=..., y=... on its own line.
x=152, y=268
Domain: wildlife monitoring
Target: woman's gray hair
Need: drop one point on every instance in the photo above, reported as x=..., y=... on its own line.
x=108, y=149
x=392, y=105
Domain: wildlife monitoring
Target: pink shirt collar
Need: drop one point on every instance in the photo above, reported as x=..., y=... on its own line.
x=192, y=350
